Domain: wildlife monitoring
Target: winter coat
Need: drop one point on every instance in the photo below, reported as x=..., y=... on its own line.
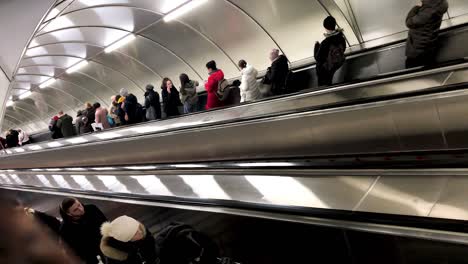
x=152, y=105
x=276, y=75
x=101, y=117
x=138, y=252
x=79, y=125
x=424, y=24
x=212, y=88
x=12, y=140
x=249, y=86
x=56, y=132
x=89, y=119
x=65, y=124
x=130, y=107
x=171, y=102
x=189, y=93
x=84, y=236
x=322, y=50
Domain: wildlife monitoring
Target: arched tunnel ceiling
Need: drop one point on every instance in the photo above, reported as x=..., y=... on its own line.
x=223, y=30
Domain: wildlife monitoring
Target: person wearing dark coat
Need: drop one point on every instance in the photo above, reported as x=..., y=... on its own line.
x=80, y=229
x=131, y=108
x=65, y=124
x=330, y=53
x=424, y=22
x=89, y=118
x=171, y=98
x=152, y=103
x=276, y=74
x=127, y=241
x=56, y=132
x=12, y=139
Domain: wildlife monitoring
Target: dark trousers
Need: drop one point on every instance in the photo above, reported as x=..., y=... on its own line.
x=325, y=77
x=420, y=61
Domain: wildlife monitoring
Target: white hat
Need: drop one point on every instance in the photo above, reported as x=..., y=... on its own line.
x=122, y=228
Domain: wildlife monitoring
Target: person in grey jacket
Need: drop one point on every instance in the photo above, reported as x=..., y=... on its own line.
x=424, y=22
x=79, y=124
x=152, y=103
x=188, y=90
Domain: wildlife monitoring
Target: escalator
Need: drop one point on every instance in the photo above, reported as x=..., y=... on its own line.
x=394, y=84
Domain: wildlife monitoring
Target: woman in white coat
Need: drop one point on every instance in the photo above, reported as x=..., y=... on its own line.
x=249, y=85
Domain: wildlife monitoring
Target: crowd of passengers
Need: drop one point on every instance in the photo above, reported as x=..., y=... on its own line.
x=85, y=232
x=423, y=21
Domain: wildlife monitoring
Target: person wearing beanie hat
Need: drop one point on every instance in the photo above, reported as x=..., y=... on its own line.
x=125, y=240
x=330, y=53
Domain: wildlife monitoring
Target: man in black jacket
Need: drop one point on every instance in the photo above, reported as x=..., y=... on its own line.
x=65, y=124
x=277, y=73
x=80, y=229
x=424, y=23
x=330, y=53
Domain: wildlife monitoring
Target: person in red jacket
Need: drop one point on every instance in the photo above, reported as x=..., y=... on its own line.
x=211, y=85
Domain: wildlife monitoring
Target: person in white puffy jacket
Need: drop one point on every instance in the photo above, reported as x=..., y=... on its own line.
x=249, y=85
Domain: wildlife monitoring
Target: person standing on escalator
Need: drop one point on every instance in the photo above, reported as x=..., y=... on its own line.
x=152, y=104
x=330, y=53
x=81, y=229
x=424, y=22
x=171, y=98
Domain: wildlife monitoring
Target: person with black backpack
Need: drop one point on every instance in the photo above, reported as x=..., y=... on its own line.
x=126, y=240
x=330, y=53
x=152, y=104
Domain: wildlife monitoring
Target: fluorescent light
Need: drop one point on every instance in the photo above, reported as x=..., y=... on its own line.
x=189, y=166
x=20, y=150
x=266, y=164
x=141, y=168
x=77, y=66
x=108, y=135
x=47, y=83
x=54, y=144
x=77, y=140
x=119, y=43
x=103, y=168
x=35, y=147
x=76, y=169
x=54, y=169
x=183, y=9
x=25, y=95
x=10, y=103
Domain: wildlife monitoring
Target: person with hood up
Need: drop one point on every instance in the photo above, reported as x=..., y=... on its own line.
x=424, y=22
x=81, y=229
x=125, y=240
x=211, y=86
x=330, y=53
x=249, y=85
x=277, y=73
x=188, y=89
x=152, y=104
x=171, y=98
x=65, y=124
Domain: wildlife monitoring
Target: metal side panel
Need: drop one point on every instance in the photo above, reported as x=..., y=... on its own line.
x=452, y=202
x=453, y=113
x=404, y=195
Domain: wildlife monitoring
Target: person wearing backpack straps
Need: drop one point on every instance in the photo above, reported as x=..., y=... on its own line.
x=212, y=85
x=330, y=53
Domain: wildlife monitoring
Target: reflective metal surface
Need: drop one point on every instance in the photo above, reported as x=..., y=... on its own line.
x=243, y=30
x=421, y=193
x=422, y=130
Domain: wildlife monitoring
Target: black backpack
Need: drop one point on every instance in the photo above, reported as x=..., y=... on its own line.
x=223, y=90
x=336, y=57
x=181, y=244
